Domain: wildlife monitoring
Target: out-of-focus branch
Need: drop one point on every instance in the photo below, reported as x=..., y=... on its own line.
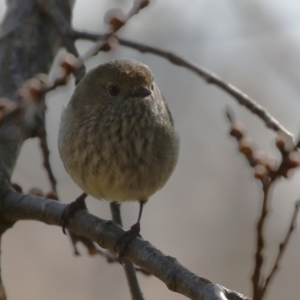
x=15, y=206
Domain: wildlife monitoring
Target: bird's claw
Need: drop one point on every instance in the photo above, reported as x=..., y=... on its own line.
x=126, y=238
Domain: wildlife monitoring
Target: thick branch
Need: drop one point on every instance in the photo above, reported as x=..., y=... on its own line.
x=15, y=206
x=28, y=45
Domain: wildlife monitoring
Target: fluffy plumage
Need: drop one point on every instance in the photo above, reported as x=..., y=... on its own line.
x=117, y=138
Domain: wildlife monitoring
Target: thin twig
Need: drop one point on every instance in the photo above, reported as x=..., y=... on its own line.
x=71, y=48
x=46, y=160
x=211, y=78
x=268, y=173
x=63, y=26
x=116, y=23
x=260, y=246
x=282, y=247
x=135, y=291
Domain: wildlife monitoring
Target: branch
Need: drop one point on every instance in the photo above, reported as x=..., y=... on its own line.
x=15, y=206
x=116, y=19
x=211, y=78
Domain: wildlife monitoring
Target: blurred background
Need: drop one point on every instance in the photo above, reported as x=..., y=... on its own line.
x=206, y=214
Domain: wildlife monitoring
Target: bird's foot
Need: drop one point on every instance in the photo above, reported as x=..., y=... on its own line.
x=70, y=209
x=126, y=238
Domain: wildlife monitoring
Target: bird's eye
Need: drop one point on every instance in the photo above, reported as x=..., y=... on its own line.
x=114, y=90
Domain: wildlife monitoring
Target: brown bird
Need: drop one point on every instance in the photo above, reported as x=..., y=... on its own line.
x=117, y=139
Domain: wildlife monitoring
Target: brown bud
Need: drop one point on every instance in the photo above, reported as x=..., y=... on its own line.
x=260, y=171
x=260, y=157
x=238, y=130
x=115, y=18
x=35, y=89
x=272, y=164
x=284, y=142
x=280, y=144
x=246, y=146
x=24, y=92
x=43, y=78
x=144, y=3
x=61, y=77
x=6, y=105
x=69, y=63
x=105, y=47
x=116, y=23
x=287, y=173
x=17, y=188
x=294, y=159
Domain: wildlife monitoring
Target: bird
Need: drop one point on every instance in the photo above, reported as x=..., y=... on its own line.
x=117, y=139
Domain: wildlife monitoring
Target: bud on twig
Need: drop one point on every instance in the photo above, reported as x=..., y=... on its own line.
x=115, y=19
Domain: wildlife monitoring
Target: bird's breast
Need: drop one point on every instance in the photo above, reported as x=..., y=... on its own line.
x=124, y=156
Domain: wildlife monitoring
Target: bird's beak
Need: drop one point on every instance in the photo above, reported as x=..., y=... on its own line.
x=141, y=92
